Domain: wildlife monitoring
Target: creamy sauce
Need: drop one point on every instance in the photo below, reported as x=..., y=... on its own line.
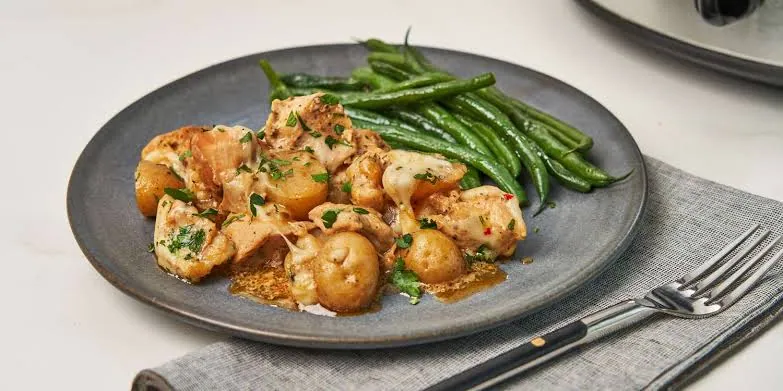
x=482, y=275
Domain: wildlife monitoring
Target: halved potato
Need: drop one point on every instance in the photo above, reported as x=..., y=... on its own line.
x=151, y=179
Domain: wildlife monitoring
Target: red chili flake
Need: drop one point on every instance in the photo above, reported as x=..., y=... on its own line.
x=488, y=231
x=508, y=196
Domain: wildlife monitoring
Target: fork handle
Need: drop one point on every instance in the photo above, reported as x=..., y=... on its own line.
x=546, y=347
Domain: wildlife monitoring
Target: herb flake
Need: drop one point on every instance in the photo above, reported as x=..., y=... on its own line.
x=329, y=217
x=339, y=129
x=361, y=211
x=346, y=187
x=246, y=138
x=329, y=99
x=183, y=195
x=404, y=241
x=425, y=223
x=291, y=121
x=426, y=176
x=406, y=280
x=255, y=200
x=321, y=178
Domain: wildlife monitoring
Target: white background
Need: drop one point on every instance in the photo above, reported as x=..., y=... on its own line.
x=67, y=67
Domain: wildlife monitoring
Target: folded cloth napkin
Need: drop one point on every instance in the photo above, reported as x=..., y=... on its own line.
x=688, y=219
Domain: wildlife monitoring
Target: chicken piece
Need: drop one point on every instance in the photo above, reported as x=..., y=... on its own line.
x=236, y=193
x=367, y=140
x=174, y=150
x=365, y=175
x=411, y=176
x=338, y=184
x=222, y=150
x=187, y=245
x=332, y=218
x=483, y=220
x=307, y=123
x=299, y=267
x=250, y=232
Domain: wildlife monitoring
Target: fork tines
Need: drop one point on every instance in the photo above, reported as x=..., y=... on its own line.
x=714, y=283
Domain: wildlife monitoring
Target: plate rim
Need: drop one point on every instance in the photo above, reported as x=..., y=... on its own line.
x=567, y=287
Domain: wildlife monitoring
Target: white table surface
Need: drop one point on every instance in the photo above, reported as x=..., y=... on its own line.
x=67, y=67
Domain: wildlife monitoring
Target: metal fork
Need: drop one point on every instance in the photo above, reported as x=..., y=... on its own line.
x=706, y=291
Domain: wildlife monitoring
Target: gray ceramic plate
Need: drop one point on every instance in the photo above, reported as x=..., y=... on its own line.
x=574, y=243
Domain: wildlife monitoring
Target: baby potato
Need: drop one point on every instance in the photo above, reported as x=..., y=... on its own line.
x=346, y=272
x=151, y=179
x=299, y=192
x=434, y=257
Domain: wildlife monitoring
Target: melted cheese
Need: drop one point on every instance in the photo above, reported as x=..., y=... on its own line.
x=400, y=184
x=298, y=265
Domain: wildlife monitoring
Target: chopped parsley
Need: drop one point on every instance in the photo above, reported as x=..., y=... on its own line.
x=361, y=211
x=207, y=212
x=281, y=162
x=313, y=133
x=307, y=164
x=246, y=138
x=291, y=121
x=551, y=204
x=329, y=217
x=512, y=224
x=321, y=178
x=406, y=281
x=183, y=195
x=346, y=187
x=404, y=241
x=273, y=168
x=308, y=149
x=244, y=168
x=151, y=248
x=427, y=176
x=277, y=175
x=535, y=229
x=339, y=129
x=261, y=133
x=185, y=155
x=232, y=219
x=187, y=238
x=482, y=253
x=296, y=158
x=331, y=141
x=255, y=200
x=425, y=223
x=329, y=99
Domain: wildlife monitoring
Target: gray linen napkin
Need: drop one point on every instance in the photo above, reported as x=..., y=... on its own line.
x=688, y=219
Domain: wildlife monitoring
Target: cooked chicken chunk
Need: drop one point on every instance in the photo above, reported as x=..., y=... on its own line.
x=187, y=245
x=339, y=187
x=365, y=175
x=367, y=140
x=332, y=218
x=412, y=176
x=484, y=217
x=220, y=152
x=250, y=232
x=307, y=123
x=299, y=267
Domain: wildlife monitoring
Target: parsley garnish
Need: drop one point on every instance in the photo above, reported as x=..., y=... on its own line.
x=151, y=248
x=308, y=149
x=406, y=280
x=346, y=188
x=329, y=99
x=321, y=178
x=244, y=168
x=535, y=229
x=482, y=253
x=339, y=129
x=206, y=212
x=185, y=155
x=330, y=141
x=307, y=164
x=361, y=211
x=427, y=176
x=329, y=217
x=261, y=133
x=255, y=200
x=315, y=134
x=246, y=138
x=551, y=204
x=425, y=223
x=296, y=158
x=404, y=241
x=306, y=128
x=232, y=219
x=281, y=162
x=291, y=121
x=277, y=175
x=183, y=195
x=512, y=224
x=187, y=238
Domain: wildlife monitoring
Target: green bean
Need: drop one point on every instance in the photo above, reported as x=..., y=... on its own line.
x=416, y=95
x=391, y=71
x=553, y=147
x=478, y=109
x=375, y=118
x=500, y=149
x=442, y=118
x=278, y=89
x=567, y=141
x=421, y=142
x=395, y=59
x=419, y=121
x=374, y=80
x=583, y=141
x=565, y=177
x=313, y=81
x=417, y=81
x=376, y=45
x=470, y=179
